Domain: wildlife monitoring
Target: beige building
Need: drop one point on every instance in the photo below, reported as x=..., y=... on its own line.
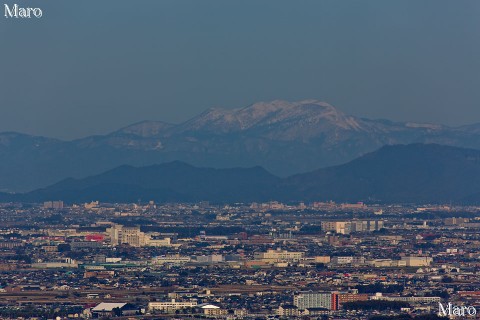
x=322, y=259
x=133, y=236
x=171, y=306
x=279, y=255
x=336, y=226
x=379, y=263
x=417, y=261
x=211, y=310
x=166, y=242
x=288, y=311
x=347, y=227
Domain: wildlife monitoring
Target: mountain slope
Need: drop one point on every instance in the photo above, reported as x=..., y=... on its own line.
x=169, y=182
x=415, y=173
x=283, y=137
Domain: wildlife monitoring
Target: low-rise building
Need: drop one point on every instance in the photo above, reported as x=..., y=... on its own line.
x=171, y=306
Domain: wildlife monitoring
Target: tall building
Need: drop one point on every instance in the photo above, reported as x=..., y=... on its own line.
x=134, y=236
x=115, y=234
x=327, y=300
x=306, y=300
x=53, y=205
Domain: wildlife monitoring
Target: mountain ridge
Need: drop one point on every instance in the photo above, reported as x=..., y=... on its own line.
x=284, y=137
x=413, y=173
x=172, y=181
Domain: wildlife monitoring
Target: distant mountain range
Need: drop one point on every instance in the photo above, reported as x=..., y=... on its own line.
x=283, y=137
x=168, y=182
x=415, y=173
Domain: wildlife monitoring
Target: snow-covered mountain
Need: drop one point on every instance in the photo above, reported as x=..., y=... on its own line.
x=284, y=137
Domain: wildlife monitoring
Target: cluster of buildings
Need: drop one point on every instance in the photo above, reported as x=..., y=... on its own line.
x=347, y=227
x=242, y=261
x=134, y=237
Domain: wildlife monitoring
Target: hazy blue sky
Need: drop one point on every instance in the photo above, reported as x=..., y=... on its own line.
x=89, y=66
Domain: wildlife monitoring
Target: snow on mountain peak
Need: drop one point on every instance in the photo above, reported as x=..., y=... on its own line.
x=261, y=114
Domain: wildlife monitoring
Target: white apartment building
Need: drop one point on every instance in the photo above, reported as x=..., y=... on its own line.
x=307, y=300
x=347, y=260
x=380, y=296
x=170, y=306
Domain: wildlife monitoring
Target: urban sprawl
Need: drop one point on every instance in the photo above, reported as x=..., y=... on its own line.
x=321, y=260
